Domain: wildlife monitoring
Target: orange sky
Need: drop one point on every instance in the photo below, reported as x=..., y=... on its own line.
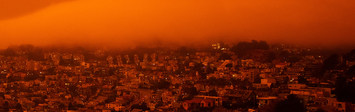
x=130, y=22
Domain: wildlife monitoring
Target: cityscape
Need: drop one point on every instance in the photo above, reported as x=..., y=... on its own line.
x=248, y=76
x=177, y=56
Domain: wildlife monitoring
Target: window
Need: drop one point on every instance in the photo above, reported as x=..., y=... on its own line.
x=202, y=105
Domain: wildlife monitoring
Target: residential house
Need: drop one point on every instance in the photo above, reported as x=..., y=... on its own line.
x=115, y=105
x=343, y=106
x=216, y=100
x=297, y=86
x=263, y=101
x=199, y=102
x=268, y=81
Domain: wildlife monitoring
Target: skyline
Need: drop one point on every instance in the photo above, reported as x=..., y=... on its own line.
x=127, y=23
x=177, y=56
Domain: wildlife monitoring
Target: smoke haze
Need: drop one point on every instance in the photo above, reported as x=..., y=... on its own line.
x=124, y=23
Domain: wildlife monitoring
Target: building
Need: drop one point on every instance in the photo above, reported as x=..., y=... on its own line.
x=263, y=101
x=198, y=102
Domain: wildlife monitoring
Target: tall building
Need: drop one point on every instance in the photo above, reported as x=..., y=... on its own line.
x=127, y=59
x=119, y=60
x=136, y=59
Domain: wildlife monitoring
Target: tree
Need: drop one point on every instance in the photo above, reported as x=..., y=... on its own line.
x=30, y=77
x=284, y=55
x=36, y=101
x=277, y=84
x=263, y=45
x=44, y=97
x=302, y=80
x=111, y=98
x=257, y=79
x=10, y=51
x=71, y=107
x=26, y=47
x=135, y=106
x=291, y=104
x=35, y=54
x=93, y=89
x=18, y=106
x=229, y=65
x=2, y=95
x=268, y=108
x=350, y=72
x=272, y=85
x=160, y=103
x=350, y=56
x=344, y=90
x=183, y=50
x=80, y=106
x=330, y=63
x=321, y=110
x=51, y=70
x=144, y=106
x=191, y=92
x=293, y=59
x=61, y=106
x=162, y=84
x=6, y=106
x=242, y=48
x=218, y=82
x=112, y=71
x=212, y=93
x=227, y=104
x=198, y=67
x=271, y=57
x=194, y=107
x=224, y=56
x=73, y=90
x=286, y=80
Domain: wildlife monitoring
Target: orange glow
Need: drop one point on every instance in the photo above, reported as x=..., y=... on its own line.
x=130, y=22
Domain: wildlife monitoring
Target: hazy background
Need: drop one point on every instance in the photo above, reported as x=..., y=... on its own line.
x=124, y=23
